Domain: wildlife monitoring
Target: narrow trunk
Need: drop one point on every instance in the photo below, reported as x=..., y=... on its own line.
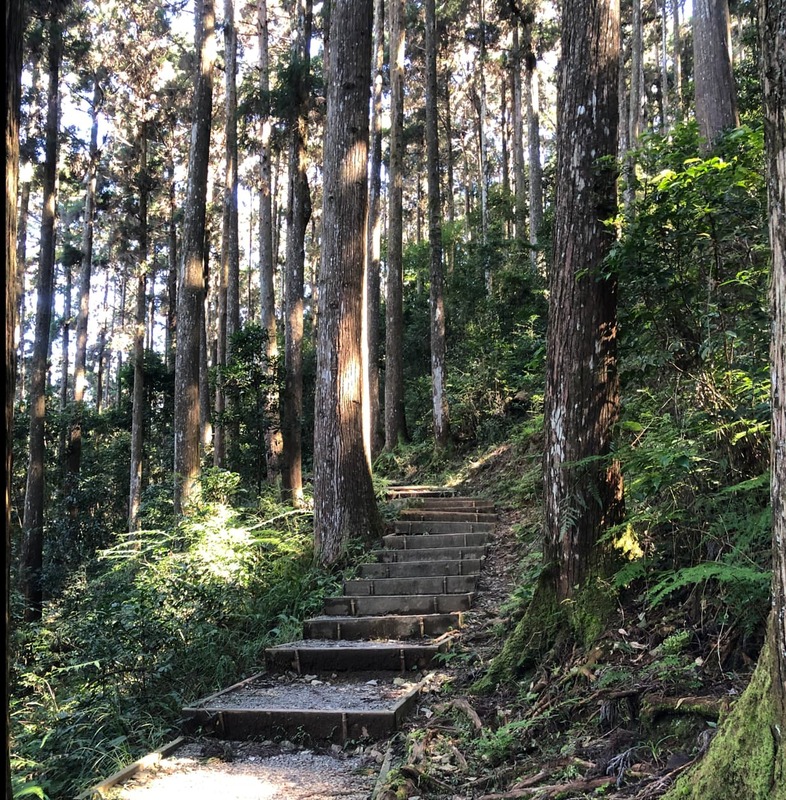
x=267, y=260
x=21, y=269
x=372, y=430
x=532, y=99
x=677, y=60
x=518, y=139
x=634, y=107
x=664, y=66
x=85, y=275
x=138, y=408
x=229, y=280
x=65, y=363
x=583, y=489
x=191, y=288
x=33, y=520
x=298, y=215
x=344, y=502
x=395, y=421
x=171, y=316
x=437, y=301
x=101, y=352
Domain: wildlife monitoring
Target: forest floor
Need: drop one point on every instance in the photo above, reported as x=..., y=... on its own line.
x=622, y=719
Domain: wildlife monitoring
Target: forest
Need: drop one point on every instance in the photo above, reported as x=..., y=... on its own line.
x=267, y=259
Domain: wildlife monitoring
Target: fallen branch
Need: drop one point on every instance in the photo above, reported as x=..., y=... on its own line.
x=460, y=704
x=550, y=792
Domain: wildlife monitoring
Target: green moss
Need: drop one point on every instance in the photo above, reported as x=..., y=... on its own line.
x=590, y=610
x=533, y=636
x=743, y=759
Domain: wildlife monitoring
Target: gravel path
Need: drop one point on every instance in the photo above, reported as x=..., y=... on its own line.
x=246, y=771
x=361, y=692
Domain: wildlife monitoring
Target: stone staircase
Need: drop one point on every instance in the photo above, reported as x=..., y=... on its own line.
x=357, y=671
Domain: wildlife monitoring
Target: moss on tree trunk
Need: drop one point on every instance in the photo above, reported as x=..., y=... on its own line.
x=747, y=757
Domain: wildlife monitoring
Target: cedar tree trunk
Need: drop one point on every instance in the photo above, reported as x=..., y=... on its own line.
x=583, y=486
x=344, y=502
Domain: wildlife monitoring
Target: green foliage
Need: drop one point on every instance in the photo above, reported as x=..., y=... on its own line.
x=158, y=619
x=693, y=437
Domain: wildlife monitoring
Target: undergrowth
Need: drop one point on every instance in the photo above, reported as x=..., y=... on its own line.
x=149, y=625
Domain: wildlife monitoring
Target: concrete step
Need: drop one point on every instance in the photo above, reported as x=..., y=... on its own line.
x=428, y=541
x=308, y=656
x=361, y=706
x=432, y=515
x=387, y=627
x=376, y=605
x=389, y=555
x=416, y=569
x=451, y=504
x=441, y=584
x=405, y=526
x=405, y=492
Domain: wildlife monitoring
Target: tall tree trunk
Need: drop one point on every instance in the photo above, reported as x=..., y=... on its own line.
x=532, y=99
x=449, y=169
x=481, y=110
x=437, y=301
x=716, y=95
x=677, y=60
x=518, y=138
x=395, y=421
x=505, y=134
x=344, y=502
x=14, y=26
x=65, y=363
x=101, y=353
x=267, y=259
x=634, y=105
x=371, y=285
x=298, y=215
x=747, y=757
x=138, y=407
x=33, y=520
x=85, y=274
x=171, y=315
x=191, y=285
x=21, y=268
x=229, y=285
x=583, y=485
x=664, y=65
x=772, y=26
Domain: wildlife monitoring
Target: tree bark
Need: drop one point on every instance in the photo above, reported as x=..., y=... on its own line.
x=677, y=60
x=344, y=502
x=532, y=99
x=65, y=362
x=583, y=485
x=371, y=286
x=298, y=215
x=33, y=520
x=439, y=397
x=229, y=280
x=85, y=275
x=191, y=286
x=171, y=316
x=138, y=407
x=715, y=93
x=518, y=138
x=14, y=26
x=395, y=420
x=664, y=66
x=267, y=259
